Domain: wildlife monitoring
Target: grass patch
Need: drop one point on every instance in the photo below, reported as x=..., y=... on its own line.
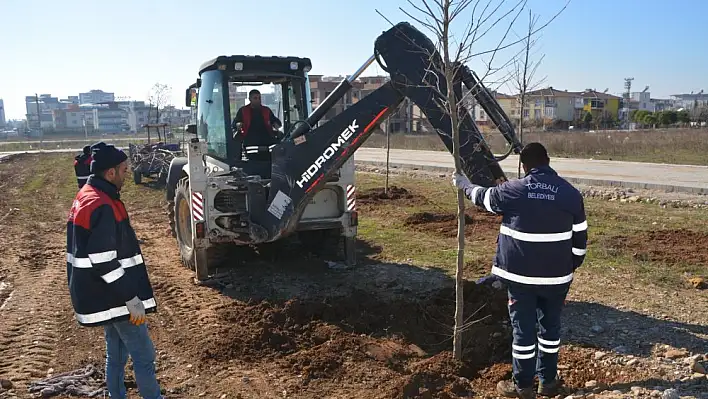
x=674, y=146
x=623, y=237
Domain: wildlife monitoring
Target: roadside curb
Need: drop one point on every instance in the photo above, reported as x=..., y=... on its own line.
x=447, y=170
x=575, y=180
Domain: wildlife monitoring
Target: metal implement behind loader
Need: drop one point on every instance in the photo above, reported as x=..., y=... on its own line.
x=152, y=159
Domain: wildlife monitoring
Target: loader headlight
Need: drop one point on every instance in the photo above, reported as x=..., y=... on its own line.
x=238, y=66
x=293, y=66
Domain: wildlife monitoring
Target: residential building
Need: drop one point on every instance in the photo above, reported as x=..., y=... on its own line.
x=601, y=105
x=659, y=104
x=480, y=115
x=110, y=118
x=2, y=113
x=641, y=101
x=408, y=118
x=689, y=101
x=42, y=105
x=546, y=104
x=138, y=114
x=508, y=104
x=96, y=97
x=69, y=119
x=180, y=117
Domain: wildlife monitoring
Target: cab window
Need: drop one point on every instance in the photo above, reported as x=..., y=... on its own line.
x=211, y=125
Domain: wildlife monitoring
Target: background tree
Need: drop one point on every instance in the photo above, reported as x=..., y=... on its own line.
x=683, y=117
x=699, y=114
x=587, y=120
x=440, y=17
x=523, y=75
x=649, y=119
x=159, y=98
x=666, y=118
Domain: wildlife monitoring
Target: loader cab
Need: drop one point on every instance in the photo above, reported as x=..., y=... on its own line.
x=222, y=88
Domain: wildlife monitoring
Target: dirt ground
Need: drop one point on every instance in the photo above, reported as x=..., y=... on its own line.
x=287, y=325
x=670, y=246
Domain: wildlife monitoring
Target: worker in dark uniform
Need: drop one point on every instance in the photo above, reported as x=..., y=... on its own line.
x=108, y=281
x=257, y=126
x=82, y=166
x=542, y=241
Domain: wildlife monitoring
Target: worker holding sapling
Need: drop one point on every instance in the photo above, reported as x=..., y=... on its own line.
x=542, y=241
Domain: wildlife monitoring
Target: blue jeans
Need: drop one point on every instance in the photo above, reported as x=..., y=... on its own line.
x=529, y=305
x=122, y=339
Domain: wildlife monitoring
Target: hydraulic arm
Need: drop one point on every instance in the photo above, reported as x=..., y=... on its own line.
x=309, y=155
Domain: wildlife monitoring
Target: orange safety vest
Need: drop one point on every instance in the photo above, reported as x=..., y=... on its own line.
x=247, y=118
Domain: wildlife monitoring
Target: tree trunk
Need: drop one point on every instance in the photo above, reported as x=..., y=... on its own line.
x=521, y=132
x=388, y=153
x=449, y=70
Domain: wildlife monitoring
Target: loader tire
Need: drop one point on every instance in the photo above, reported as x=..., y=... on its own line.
x=181, y=223
x=171, y=216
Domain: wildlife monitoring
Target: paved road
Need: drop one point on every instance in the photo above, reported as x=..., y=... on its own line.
x=680, y=178
x=74, y=140
x=685, y=178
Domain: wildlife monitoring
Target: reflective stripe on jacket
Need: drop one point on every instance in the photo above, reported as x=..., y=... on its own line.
x=543, y=235
x=105, y=267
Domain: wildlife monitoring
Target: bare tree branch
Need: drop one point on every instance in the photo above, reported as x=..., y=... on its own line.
x=479, y=17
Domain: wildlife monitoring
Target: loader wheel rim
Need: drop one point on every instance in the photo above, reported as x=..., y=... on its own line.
x=185, y=223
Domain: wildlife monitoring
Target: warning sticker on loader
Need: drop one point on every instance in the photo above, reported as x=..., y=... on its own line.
x=280, y=202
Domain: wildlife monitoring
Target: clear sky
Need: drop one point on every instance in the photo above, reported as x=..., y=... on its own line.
x=71, y=46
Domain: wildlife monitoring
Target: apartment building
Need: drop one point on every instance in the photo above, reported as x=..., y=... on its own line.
x=110, y=118
x=689, y=101
x=641, y=100
x=408, y=118
x=73, y=118
x=508, y=104
x=601, y=105
x=549, y=103
x=95, y=97
x=175, y=116
x=138, y=114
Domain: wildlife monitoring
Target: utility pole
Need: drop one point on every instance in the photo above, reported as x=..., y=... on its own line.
x=628, y=91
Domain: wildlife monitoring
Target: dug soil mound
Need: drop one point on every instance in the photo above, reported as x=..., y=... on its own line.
x=328, y=337
x=673, y=247
x=478, y=224
x=395, y=194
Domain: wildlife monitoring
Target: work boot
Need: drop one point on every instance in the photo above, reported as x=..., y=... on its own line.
x=510, y=390
x=548, y=389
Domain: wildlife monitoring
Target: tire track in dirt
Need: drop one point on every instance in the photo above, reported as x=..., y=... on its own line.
x=29, y=330
x=186, y=314
x=33, y=260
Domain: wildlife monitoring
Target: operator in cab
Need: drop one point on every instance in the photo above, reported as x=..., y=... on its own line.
x=257, y=126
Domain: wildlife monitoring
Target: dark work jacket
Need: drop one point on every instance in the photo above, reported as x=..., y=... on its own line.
x=543, y=235
x=82, y=168
x=104, y=264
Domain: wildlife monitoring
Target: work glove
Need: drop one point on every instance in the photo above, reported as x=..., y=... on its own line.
x=137, y=311
x=460, y=181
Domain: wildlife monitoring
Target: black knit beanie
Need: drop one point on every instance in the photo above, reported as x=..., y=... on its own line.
x=106, y=156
